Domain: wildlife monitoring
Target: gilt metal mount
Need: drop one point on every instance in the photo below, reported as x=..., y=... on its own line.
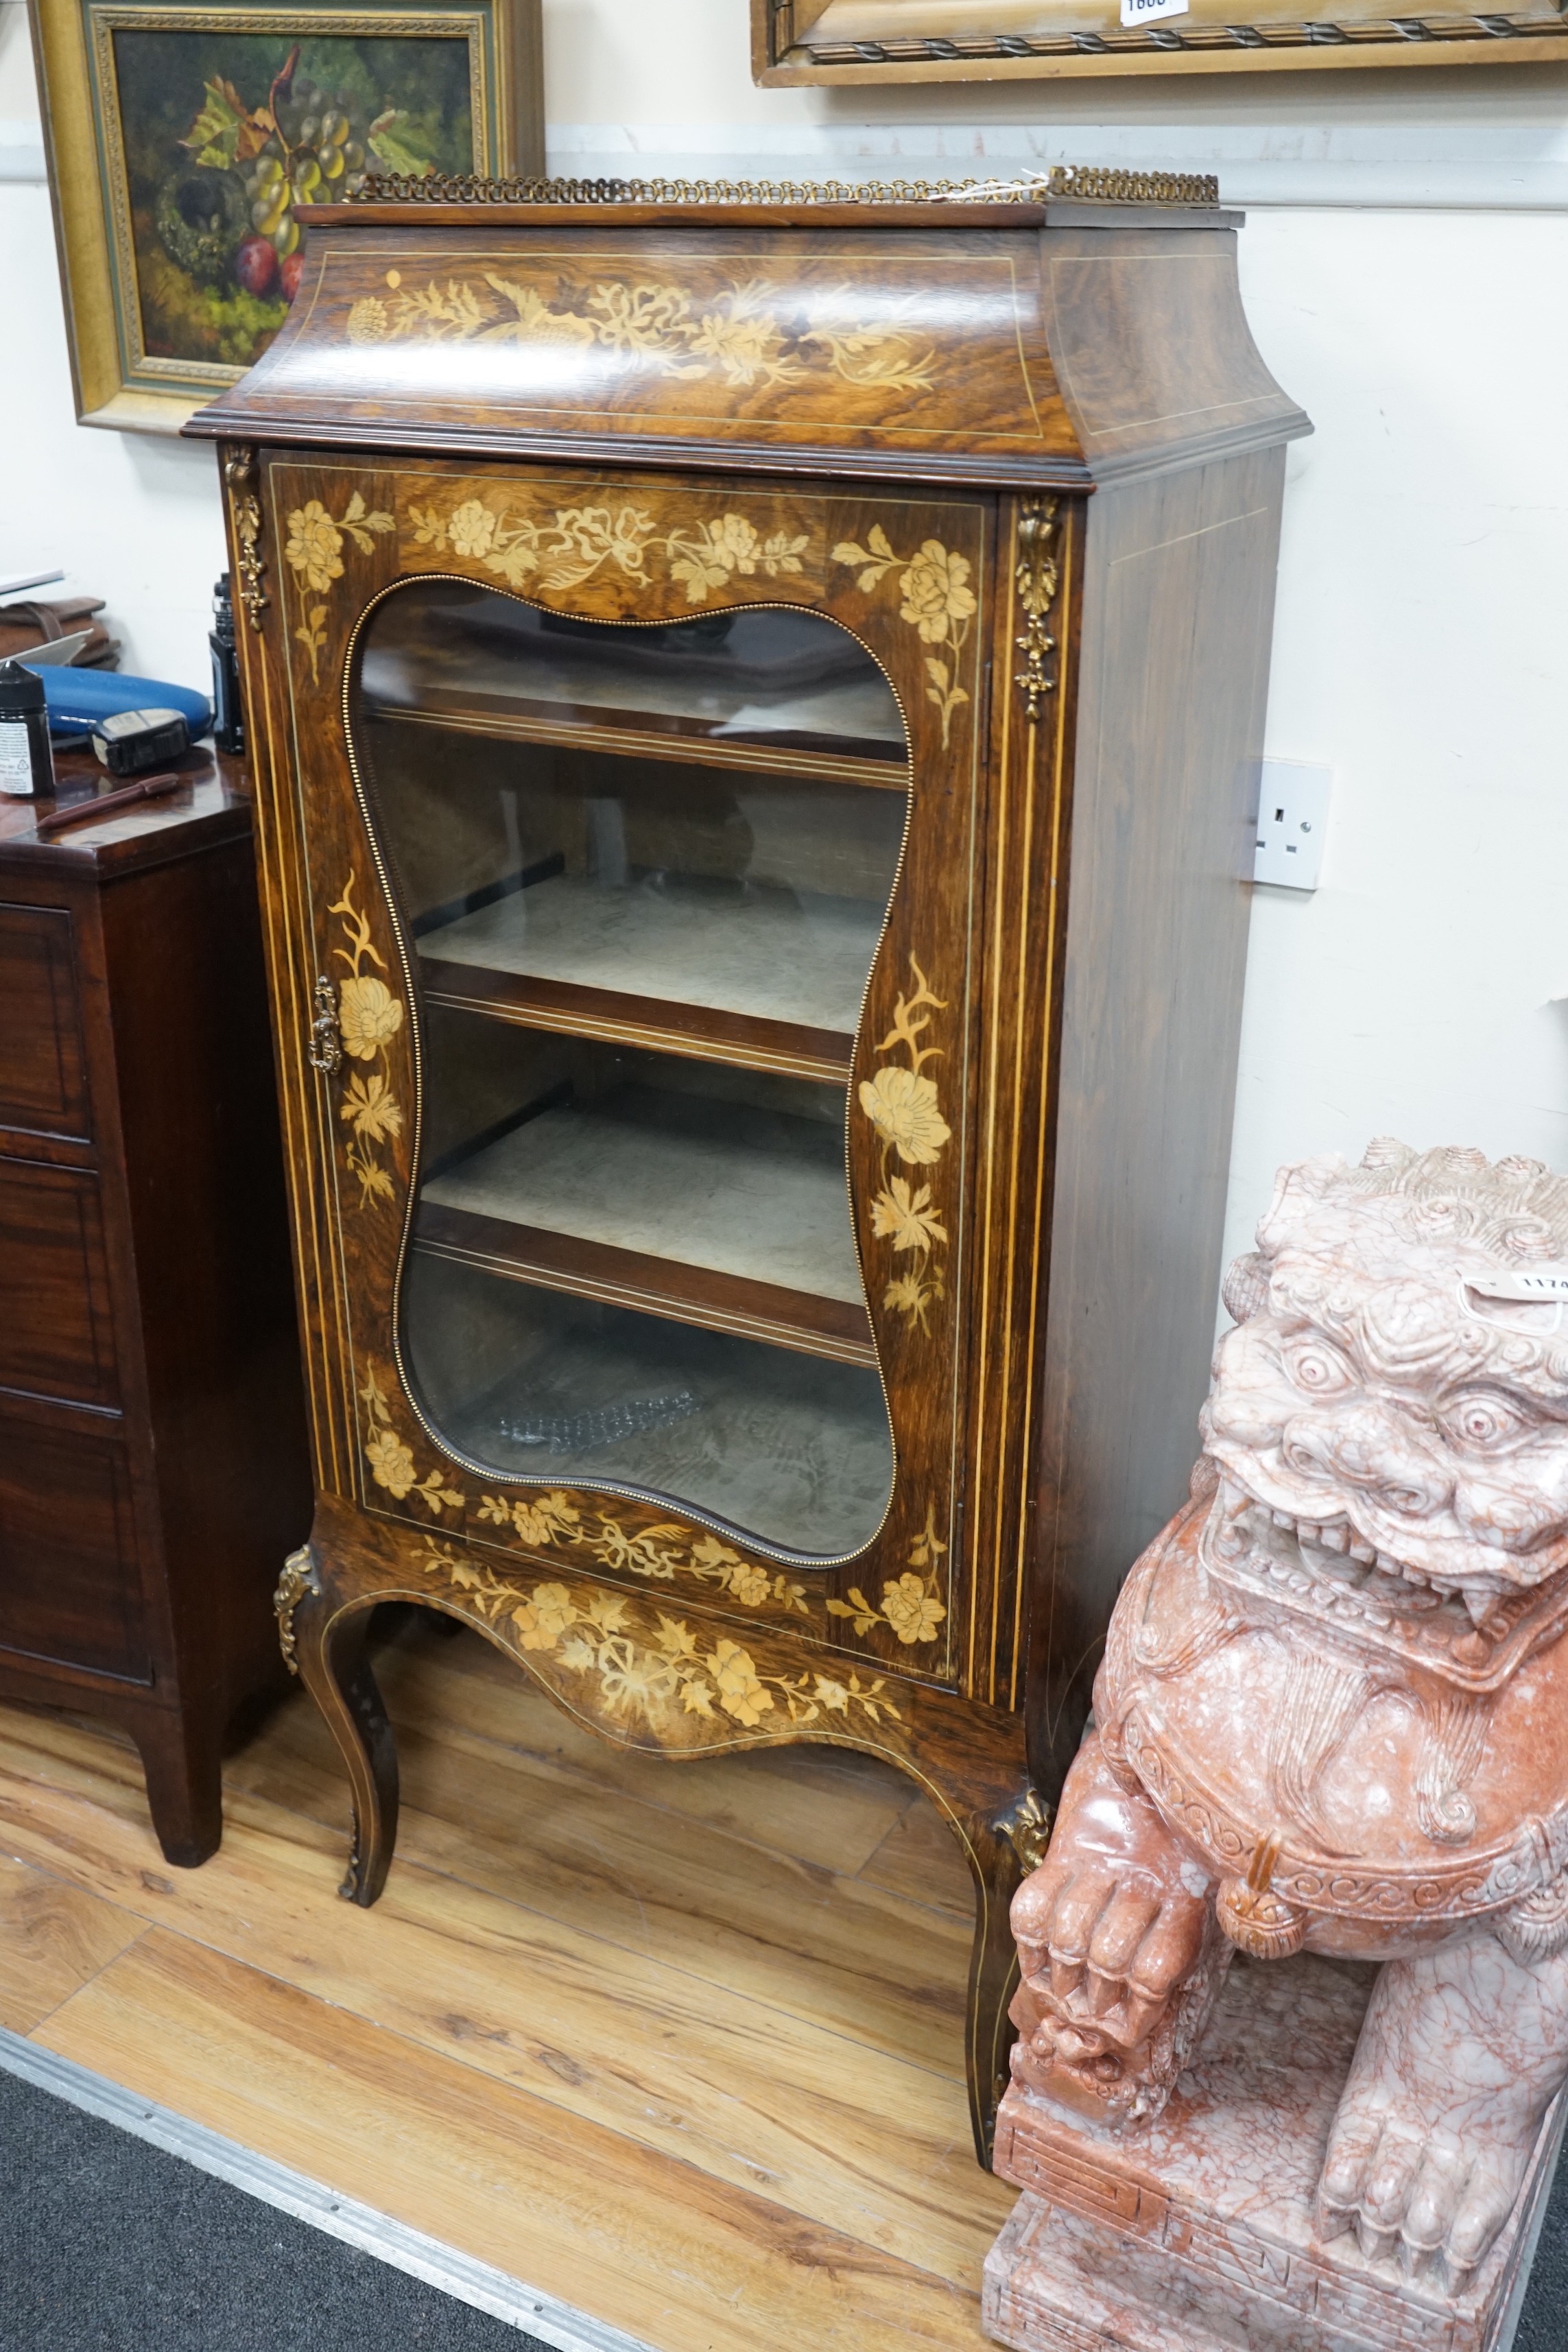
x=239, y=474
x=1037, y=578
x=1028, y=1830
x=299, y=1577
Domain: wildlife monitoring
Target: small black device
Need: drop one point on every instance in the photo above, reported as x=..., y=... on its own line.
x=228, y=720
x=128, y=742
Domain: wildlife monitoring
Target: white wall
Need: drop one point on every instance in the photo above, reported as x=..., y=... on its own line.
x=1405, y=265
x=130, y=518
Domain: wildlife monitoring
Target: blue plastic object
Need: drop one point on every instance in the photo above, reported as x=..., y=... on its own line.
x=80, y=699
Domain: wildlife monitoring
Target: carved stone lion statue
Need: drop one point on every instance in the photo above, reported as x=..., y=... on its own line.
x=1333, y=1708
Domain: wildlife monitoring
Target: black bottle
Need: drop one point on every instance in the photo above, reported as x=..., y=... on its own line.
x=27, y=763
x=228, y=720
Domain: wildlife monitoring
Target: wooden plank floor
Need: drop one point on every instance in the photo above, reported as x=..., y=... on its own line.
x=680, y=2043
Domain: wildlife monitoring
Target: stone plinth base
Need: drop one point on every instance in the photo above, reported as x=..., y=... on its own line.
x=1195, y=2233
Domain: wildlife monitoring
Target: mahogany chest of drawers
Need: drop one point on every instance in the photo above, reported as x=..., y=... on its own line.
x=152, y=1461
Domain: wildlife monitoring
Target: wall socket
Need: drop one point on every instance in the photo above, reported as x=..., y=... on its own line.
x=1292, y=820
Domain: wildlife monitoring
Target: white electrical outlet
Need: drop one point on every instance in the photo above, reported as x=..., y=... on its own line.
x=1292, y=819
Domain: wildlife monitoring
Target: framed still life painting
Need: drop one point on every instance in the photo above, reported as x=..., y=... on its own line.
x=183, y=139
x=861, y=41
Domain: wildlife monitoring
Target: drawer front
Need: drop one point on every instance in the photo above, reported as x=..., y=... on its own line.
x=70, y=1589
x=42, y=1066
x=56, y=1329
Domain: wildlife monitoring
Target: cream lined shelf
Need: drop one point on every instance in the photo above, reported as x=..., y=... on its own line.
x=731, y=1218
x=787, y=958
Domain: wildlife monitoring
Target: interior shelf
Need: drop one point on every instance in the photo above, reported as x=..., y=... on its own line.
x=758, y=690
x=713, y=1214
x=777, y=751
x=774, y=977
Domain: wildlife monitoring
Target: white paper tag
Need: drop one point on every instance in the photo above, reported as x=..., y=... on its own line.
x=1149, y=11
x=1540, y=1283
x=15, y=759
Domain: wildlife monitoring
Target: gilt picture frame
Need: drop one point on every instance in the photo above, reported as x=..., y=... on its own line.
x=182, y=139
x=870, y=41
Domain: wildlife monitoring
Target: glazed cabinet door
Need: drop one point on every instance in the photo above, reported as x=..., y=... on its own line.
x=635, y=915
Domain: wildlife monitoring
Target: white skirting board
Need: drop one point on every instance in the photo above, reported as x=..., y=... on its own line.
x=508, y=2299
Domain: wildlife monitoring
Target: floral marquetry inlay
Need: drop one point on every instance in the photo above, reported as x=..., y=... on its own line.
x=745, y=334
x=369, y=1017
x=903, y=1106
x=651, y=1675
x=391, y=1460
x=536, y=1520
x=662, y=1553
x=910, y=1603
x=934, y=597
x=561, y=550
x=314, y=553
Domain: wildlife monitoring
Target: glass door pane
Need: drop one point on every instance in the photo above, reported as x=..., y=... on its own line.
x=644, y=871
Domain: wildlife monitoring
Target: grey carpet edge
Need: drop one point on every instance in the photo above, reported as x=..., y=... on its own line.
x=529, y=2309
x=534, y=2313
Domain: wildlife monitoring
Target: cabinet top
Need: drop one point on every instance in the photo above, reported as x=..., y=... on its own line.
x=1060, y=343
x=210, y=807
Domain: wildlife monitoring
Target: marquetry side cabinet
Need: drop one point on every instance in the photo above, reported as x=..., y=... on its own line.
x=757, y=709
x=152, y=1449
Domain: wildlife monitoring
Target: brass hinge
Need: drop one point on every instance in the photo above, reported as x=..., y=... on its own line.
x=326, y=1046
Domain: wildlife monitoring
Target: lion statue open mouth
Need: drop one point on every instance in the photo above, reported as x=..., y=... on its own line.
x=1333, y=1709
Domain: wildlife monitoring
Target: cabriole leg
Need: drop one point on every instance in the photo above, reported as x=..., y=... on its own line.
x=993, y=1973
x=330, y=1646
